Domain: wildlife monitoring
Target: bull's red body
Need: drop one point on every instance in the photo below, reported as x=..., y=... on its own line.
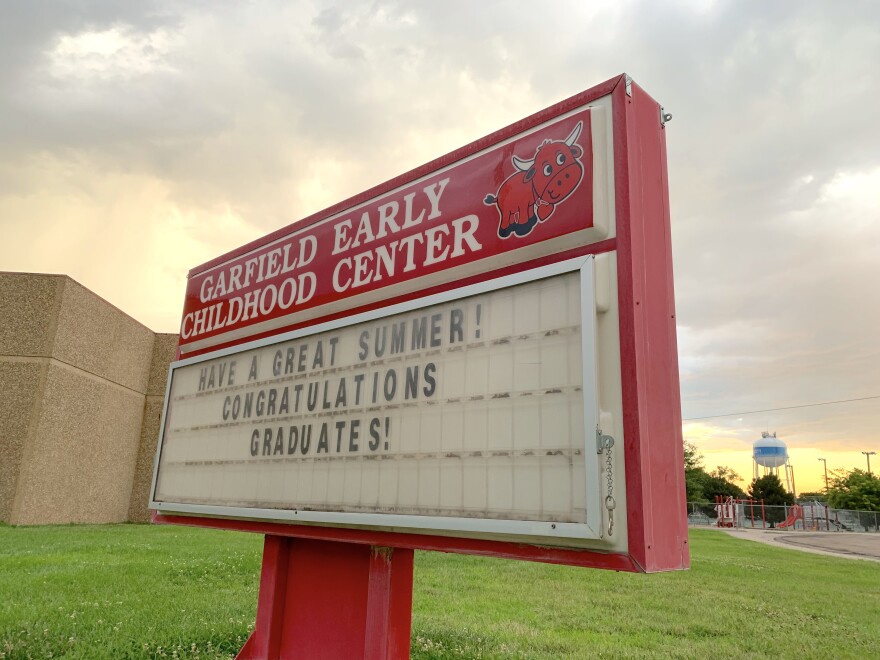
x=532, y=192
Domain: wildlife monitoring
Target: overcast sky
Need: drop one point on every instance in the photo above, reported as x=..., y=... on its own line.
x=141, y=139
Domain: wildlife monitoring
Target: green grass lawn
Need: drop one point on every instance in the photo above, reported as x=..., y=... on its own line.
x=135, y=591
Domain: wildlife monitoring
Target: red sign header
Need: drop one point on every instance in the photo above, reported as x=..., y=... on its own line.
x=528, y=190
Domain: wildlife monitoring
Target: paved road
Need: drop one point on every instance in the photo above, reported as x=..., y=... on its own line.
x=838, y=544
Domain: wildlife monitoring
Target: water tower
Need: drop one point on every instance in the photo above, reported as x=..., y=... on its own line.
x=770, y=453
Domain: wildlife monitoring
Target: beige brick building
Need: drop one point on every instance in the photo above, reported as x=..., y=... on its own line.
x=81, y=390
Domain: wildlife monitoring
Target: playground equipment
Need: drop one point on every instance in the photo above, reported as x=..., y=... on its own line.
x=795, y=514
x=812, y=516
x=726, y=512
x=808, y=516
x=732, y=512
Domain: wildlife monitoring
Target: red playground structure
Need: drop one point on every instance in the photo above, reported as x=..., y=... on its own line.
x=731, y=512
x=811, y=516
x=795, y=513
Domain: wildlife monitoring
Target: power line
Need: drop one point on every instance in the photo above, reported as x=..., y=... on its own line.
x=804, y=405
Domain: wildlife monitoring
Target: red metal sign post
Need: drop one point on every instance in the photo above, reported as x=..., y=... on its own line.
x=478, y=357
x=325, y=599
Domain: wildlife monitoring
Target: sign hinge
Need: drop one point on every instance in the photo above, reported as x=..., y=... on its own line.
x=665, y=117
x=629, y=85
x=603, y=442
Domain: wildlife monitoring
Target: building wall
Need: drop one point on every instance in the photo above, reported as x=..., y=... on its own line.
x=164, y=349
x=28, y=310
x=79, y=385
x=21, y=382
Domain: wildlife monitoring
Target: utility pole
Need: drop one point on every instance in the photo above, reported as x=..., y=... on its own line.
x=868, y=455
x=825, y=464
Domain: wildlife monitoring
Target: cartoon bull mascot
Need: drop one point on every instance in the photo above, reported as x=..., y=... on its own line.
x=532, y=192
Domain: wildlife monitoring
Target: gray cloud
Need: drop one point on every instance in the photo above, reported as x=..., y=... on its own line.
x=272, y=110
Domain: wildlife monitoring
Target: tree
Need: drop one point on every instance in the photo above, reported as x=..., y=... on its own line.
x=726, y=473
x=771, y=490
x=704, y=486
x=693, y=473
x=714, y=485
x=856, y=490
x=812, y=496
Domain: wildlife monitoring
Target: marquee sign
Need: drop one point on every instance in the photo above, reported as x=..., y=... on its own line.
x=523, y=198
x=466, y=411
x=477, y=356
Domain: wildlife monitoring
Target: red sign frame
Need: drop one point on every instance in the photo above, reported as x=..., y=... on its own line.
x=657, y=530
x=430, y=227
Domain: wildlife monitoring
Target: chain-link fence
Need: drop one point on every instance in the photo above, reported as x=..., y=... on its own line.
x=808, y=516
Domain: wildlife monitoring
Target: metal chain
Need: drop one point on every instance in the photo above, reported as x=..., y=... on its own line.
x=609, y=478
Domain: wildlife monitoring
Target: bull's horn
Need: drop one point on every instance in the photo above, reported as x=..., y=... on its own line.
x=574, y=134
x=523, y=165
